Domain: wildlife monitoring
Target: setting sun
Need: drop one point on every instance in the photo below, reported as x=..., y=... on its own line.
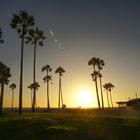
x=84, y=98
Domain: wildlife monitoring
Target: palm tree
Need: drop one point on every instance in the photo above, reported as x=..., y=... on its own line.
x=110, y=87
x=100, y=64
x=47, y=79
x=35, y=37
x=1, y=40
x=12, y=86
x=94, y=75
x=34, y=86
x=21, y=23
x=31, y=88
x=60, y=71
x=4, y=79
x=106, y=89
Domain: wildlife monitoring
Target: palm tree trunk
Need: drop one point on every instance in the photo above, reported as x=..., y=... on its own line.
x=1, y=99
x=97, y=90
x=111, y=100
x=34, y=66
x=59, y=92
x=102, y=98
x=48, y=104
x=12, y=99
x=33, y=104
x=107, y=99
x=31, y=98
x=21, y=72
x=34, y=80
x=97, y=93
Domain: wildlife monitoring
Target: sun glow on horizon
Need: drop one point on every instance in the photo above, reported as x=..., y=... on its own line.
x=84, y=98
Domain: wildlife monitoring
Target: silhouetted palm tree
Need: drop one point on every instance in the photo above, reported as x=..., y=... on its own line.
x=31, y=88
x=100, y=64
x=47, y=79
x=4, y=79
x=106, y=89
x=94, y=75
x=110, y=87
x=13, y=86
x=35, y=37
x=60, y=71
x=34, y=86
x=1, y=40
x=21, y=23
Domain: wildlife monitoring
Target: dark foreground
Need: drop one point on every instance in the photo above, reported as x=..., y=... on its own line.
x=80, y=125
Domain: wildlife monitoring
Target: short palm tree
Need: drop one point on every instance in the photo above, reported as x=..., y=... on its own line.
x=13, y=87
x=47, y=79
x=100, y=64
x=110, y=87
x=106, y=89
x=34, y=102
x=94, y=75
x=1, y=40
x=31, y=88
x=4, y=79
x=21, y=23
x=60, y=71
x=35, y=37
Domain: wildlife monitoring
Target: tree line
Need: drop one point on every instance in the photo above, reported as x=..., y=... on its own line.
x=24, y=24
x=28, y=33
x=5, y=76
x=97, y=65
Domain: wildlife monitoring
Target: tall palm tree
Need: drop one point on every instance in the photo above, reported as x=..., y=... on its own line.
x=21, y=23
x=94, y=75
x=47, y=79
x=100, y=64
x=4, y=79
x=60, y=71
x=13, y=87
x=1, y=40
x=35, y=37
x=110, y=87
x=106, y=89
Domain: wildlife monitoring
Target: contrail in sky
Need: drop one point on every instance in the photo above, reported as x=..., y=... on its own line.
x=56, y=41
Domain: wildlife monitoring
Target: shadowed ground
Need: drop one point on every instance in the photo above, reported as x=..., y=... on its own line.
x=81, y=125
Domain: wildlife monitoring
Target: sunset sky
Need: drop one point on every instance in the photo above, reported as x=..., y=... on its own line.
x=108, y=29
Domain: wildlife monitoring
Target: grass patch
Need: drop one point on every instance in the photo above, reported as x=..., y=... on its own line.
x=67, y=126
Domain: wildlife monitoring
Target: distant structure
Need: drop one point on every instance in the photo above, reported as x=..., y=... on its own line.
x=132, y=104
x=121, y=104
